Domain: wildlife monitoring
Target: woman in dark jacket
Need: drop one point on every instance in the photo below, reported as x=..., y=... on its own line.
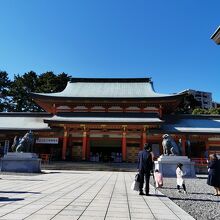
x=214, y=173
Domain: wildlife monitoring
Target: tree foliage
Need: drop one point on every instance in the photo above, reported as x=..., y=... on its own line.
x=61, y=81
x=188, y=104
x=4, y=91
x=18, y=98
x=48, y=82
x=21, y=86
x=14, y=95
x=212, y=111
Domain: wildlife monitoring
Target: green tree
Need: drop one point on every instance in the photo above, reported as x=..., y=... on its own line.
x=214, y=111
x=47, y=82
x=188, y=104
x=4, y=91
x=20, y=87
x=61, y=81
x=200, y=111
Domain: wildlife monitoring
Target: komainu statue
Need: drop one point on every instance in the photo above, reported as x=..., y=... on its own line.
x=169, y=146
x=25, y=144
x=15, y=143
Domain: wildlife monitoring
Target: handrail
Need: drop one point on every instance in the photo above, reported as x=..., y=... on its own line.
x=200, y=161
x=45, y=158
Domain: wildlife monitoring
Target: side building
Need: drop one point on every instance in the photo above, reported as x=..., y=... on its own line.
x=216, y=36
x=109, y=119
x=203, y=98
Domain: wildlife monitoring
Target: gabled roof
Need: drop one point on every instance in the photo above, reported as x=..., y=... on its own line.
x=23, y=121
x=131, y=88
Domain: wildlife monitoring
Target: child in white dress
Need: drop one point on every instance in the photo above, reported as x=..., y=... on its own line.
x=158, y=179
x=179, y=177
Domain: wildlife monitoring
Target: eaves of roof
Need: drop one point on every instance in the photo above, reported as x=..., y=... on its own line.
x=25, y=114
x=192, y=125
x=12, y=129
x=101, y=120
x=104, y=80
x=51, y=98
x=190, y=131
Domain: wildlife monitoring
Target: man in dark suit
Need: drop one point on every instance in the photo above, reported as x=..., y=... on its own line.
x=145, y=166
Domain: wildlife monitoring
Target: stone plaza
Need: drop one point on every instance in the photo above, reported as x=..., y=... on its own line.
x=83, y=195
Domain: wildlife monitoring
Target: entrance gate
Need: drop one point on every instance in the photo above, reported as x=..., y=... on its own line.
x=105, y=150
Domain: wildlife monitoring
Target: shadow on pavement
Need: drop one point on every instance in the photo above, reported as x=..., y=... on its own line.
x=196, y=200
x=21, y=179
x=19, y=192
x=48, y=172
x=55, y=172
x=164, y=187
x=159, y=195
x=202, y=177
x=201, y=193
x=6, y=199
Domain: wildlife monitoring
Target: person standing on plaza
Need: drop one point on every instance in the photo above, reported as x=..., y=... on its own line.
x=179, y=177
x=158, y=178
x=145, y=167
x=214, y=173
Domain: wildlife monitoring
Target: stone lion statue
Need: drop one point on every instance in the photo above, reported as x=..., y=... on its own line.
x=25, y=144
x=15, y=143
x=169, y=146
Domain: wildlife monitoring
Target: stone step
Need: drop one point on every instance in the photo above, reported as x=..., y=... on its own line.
x=89, y=166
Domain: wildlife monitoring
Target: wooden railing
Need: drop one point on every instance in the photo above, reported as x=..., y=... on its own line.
x=200, y=161
x=45, y=158
x=217, y=152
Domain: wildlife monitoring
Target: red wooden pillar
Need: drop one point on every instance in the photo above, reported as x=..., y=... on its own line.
x=88, y=148
x=206, y=155
x=54, y=109
x=160, y=111
x=65, y=139
x=84, y=143
x=144, y=138
x=124, y=147
x=71, y=148
x=183, y=146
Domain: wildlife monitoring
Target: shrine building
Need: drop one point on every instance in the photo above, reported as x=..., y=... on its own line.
x=109, y=120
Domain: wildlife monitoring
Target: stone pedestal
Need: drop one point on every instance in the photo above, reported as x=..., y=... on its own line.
x=21, y=162
x=167, y=165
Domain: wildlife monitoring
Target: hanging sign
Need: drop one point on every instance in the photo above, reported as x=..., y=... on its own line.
x=43, y=140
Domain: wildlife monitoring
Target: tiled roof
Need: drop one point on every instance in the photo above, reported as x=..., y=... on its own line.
x=106, y=88
x=193, y=126
x=23, y=122
x=137, y=120
x=183, y=124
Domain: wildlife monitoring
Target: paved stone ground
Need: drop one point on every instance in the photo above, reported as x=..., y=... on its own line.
x=83, y=195
x=199, y=200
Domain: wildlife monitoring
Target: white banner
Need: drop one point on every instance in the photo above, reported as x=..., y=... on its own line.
x=47, y=140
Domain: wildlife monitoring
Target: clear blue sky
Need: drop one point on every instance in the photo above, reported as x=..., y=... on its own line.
x=168, y=40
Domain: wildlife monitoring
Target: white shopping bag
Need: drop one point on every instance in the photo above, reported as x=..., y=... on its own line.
x=135, y=185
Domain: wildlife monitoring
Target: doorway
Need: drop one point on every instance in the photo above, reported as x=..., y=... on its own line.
x=105, y=150
x=196, y=149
